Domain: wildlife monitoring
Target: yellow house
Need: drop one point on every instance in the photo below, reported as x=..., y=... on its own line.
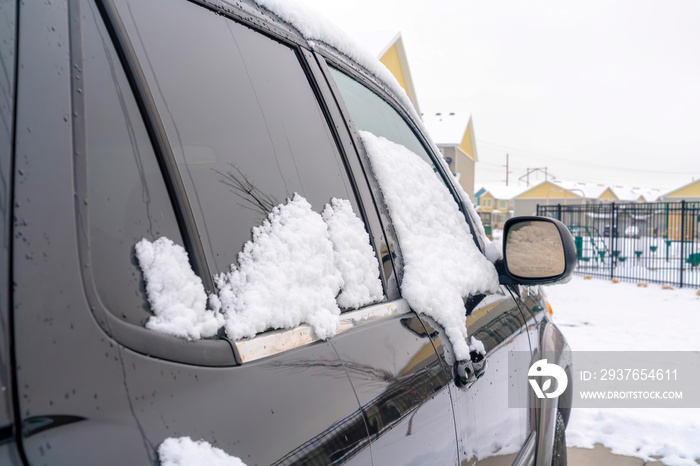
x=608, y=195
x=388, y=47
x=690, y=192
x=623, y=194
x=550, y=193
x=453, y=133
x=566, y=192
x=495, y=204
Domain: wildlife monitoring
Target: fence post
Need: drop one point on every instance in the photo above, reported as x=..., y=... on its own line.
x=666, y=233
x=559, y=212
x=613, y=240
x=682, y=259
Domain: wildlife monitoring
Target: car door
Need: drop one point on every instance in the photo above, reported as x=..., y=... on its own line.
x=498, y=427
x=128, y=133
x=402, y=388
x=488, y=430
x=505, y=428
x=366, y=110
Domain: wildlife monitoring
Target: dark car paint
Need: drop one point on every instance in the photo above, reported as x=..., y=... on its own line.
x=8, y=450
x=82, y=397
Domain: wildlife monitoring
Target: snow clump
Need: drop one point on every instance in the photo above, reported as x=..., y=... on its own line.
x=176, y=294
x=184, y=451
x=286, y=276
x=494, y=250
x=442, y=265
x=354, y=256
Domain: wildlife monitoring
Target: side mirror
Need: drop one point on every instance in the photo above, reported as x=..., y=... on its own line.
x=536, y=251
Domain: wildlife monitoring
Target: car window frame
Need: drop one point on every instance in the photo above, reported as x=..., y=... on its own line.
x=329, y=57
x=211, y=352
x=219, y=352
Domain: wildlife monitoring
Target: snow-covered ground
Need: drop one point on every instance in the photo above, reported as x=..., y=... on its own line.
x=598, y=315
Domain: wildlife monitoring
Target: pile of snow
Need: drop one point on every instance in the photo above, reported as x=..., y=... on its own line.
x=442, y=265
x=354, y=256
x=624, y=317
x=184, y=451
x=494, y=250
x=298, y=268
x=285, y=276
x=175, y=292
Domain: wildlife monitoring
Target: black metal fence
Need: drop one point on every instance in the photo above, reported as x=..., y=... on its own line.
x=656, y=242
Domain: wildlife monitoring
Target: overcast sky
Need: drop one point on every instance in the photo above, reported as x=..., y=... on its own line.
x=597, y=90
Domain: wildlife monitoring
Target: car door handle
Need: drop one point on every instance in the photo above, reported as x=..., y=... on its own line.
x=468, y=371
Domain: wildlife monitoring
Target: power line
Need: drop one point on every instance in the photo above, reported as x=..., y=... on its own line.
x=584, y=163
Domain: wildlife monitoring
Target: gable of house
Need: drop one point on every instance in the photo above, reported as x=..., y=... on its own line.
x=608, y=195
x=689, y=191
x=392, y=61
x=467, y=144
x=548, y=190
x=487, y=202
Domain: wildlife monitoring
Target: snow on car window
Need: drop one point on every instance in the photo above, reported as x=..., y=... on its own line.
x=286, y=276
x=442, y=265
x=315, y=27
x=300, y=267
x=354, y=256
x=176, y=294
x=184, y=451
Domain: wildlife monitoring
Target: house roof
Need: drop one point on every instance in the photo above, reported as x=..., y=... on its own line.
x=561, y=190
x=502, y=192
x=447, y=128
x=587, y=190
x=452, y=129
x=594, y=191
x=626, y=194
x=691, y=189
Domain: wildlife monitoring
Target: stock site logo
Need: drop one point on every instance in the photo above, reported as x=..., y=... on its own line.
x=543, y=369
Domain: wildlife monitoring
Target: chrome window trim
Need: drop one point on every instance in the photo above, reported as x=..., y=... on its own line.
x=277, y=341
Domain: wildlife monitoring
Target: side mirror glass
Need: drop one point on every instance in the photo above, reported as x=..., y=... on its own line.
x=533, y=250
x=536, y=250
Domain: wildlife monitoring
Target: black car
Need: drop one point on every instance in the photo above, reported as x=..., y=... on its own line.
x=192, y=120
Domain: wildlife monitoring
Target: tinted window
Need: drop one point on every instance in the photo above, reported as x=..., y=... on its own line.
x=127, y=198
x=242, y=118
x=371, y=113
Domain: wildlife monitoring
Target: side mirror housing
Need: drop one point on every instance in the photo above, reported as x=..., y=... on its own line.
x=536, y=251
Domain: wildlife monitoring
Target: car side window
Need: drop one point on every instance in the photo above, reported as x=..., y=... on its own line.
x=242, y=118
x=127, y=199
x=372, y=113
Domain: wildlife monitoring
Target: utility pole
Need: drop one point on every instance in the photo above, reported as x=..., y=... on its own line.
x=506, y=169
